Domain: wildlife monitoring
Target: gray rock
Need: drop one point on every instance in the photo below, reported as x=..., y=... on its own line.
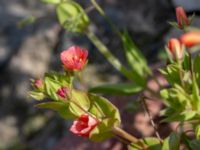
x=190, y=5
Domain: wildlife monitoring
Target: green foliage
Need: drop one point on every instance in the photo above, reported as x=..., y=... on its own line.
x=195, y=144
x=102, y=108
x=117, y=89
x=197, y=132
x=109, y=115
x=171, y=73
x=61, y=107
x=37, y=95
x=136, y=60
x=71, y=16
x=79, y=102
x=196, y=68
x=176, y=97
x=103, y=131
x=53, y=81
x=172, y=142
x=150, y=142
x=26, y=21
x=181, y=106
x=51, y=1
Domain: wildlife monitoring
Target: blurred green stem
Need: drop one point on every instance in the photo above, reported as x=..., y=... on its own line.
x=109, y=56
x=130, y=138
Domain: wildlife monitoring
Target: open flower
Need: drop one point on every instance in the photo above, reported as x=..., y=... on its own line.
x=190, y=39
x=83, y=125
x=182, y=18
x=175, y=48
x=62, y=92
x=74, y=58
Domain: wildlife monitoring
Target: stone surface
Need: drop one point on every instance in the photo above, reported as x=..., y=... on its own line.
x=190, y=5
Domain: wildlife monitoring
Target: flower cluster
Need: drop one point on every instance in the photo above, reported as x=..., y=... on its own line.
x=97, y=118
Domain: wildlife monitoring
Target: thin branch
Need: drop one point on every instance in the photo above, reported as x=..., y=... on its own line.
x=151, y=119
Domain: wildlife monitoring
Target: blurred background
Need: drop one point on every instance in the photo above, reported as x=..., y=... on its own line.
x=31, y=51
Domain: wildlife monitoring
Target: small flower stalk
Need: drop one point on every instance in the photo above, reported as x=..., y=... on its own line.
x=74, y=58
x=182, y=18
x=84, y=125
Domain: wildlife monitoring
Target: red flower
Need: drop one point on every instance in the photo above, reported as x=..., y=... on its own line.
x=38, y=84
x=62, y=92
x=175, y=48
x=182, y=18
x=190, y=39
x=74, y=58
x=83, y=125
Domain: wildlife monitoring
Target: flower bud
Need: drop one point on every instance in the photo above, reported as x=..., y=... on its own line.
x=83, y=125
x=74, y=58
x=182, y=18
x=190, y=39
x=38, y=84
x=62, y=92
x=175, y=48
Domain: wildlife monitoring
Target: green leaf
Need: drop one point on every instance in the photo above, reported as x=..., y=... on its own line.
x=26, y=21
x=176, y=98
x=136, y=60
x=63, y=79
x=195, y=144
x=79, y=102
x=197, y=132
x=195, y=96
x=171, y=73
x=172, y=142
x=37, y=95
x=102, y=108
x=53, y=81
x=186, y=62
x=151, y=143
x=51, y=1
x=184, y=116
x=61, y=107
x=72, y=16
x=174, y=24
x=117, y=89
x=196, y=69
x=103, y=131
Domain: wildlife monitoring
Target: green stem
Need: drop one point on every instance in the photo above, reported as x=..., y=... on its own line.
x=110, y=57
x=123, y=134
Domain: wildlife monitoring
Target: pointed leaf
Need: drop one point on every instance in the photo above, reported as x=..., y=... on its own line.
x=37, y=95
x=117, y=89
x=51, y=1
x=103, y=131
x=102, y=108
x=136, y=60
x=172, y=142
x=60, y=107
